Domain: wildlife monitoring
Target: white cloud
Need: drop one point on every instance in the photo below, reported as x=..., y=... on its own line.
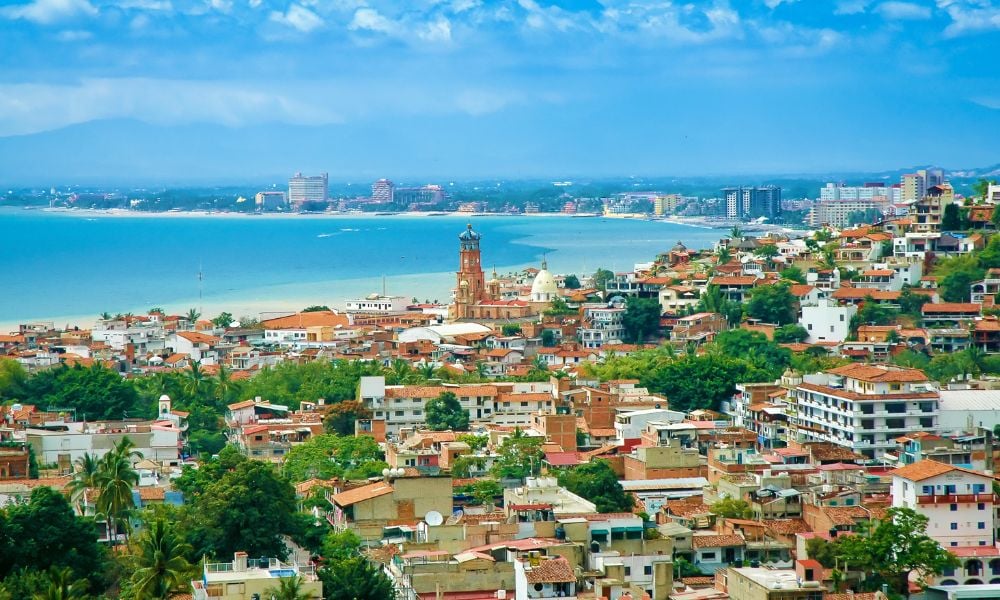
x=29, y=108
x=254, y=3
x=723, y=23
x=438, y=30
x=899, y=11
x=297, y=17
x=851, y=7
x=74, y=35
x=482, y=102
x=772, y=4
x=371, y=20
x=46, y=12
x=222, y=5
x=163, y=5
x=966, y=20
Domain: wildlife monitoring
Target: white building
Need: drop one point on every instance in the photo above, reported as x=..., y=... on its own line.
x=630, y=425
x=958, y=502
x=827, y=321
x=601, y=325
x=158, y=441
x=303, y=189
x=378, y=305
x=864, y=407
x=965, y=410
x=544, y=288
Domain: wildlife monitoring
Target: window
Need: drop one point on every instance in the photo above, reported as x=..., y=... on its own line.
x=981, y=525
x=978, y=488
x=981, y=506
x=647, y=570
x=954, y=526
x=927, y=490
x=708, y=555
x=628, y=571
x=954, y=507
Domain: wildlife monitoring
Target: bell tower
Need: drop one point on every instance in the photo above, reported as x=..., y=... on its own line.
x=471, y=288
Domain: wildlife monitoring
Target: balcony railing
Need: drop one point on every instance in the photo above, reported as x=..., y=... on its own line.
x=957, y=498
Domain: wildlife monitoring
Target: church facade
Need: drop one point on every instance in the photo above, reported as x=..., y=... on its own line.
x=479, y=300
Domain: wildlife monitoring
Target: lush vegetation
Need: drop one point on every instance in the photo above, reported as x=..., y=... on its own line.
x=446, y=413
x=595, y=481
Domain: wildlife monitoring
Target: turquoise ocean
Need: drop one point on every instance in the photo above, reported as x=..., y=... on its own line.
x=68, y=267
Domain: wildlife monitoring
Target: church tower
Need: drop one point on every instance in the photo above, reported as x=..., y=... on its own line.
x=471, y=288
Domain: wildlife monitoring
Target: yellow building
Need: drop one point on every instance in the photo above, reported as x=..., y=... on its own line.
x=251, y=579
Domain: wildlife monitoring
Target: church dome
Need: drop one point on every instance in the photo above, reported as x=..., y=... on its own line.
x=679, y=247
x=544, y=288
x=469, y=235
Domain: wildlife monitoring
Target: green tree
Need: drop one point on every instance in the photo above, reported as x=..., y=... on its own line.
x=355, y=579
x=485, y=492
x=723, y=256
x=340, y=545
x=548, y=338
x=316, y=308
x=981, y=188
x=474, y=441
x=793, y=332
x=895, y=546
x=518, y=456
x=794, y=274
x=341, y=417
x=62, y=585
x=13, y=380
x=714, y=301
x=192, y=316
x=446, y=413
x=911, y=303
x=601, y=279
x=731, y=508
x=325, y=456
x=223, y=320
x=772, y=304
x=641, y=318
x=116, y=476
x=571, y=282
x=767, y=251
x=85, y=476
x=94, y=392
x=597, y=482
x=248, y=508
x=956, y=286
x=44, y=533
x=754, y=348
x=161, y=565
x=871, y=313
x=952, y=218
x=289, y=588
x=822, y=551
x=510, y=329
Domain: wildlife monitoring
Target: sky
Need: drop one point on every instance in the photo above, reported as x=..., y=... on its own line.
x=241, y=88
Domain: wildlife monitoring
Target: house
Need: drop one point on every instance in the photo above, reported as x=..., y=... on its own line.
x=827, y=321
x=713, y=551
x=958, y=502
x=407, y=499
x=697, y=328
x=251, y=579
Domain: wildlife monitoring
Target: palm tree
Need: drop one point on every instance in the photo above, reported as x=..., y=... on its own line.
x=736, y=233
x=85, y=476
x=161, y=566
x=192, y=316
x=194, y=380
x=225, y=385
x=116, y=478
x=828, y=260
x=724, y=256
x=426, y=371
x=105, y=316
x=289, y=588
x=62, y=586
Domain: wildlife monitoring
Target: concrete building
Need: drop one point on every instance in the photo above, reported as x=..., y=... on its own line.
x=252, y=579
x=383, y=191
x=270, y=201
x=546, y=490
x=378, y=304
x=827, y=321
x=864, y=407
x=839, y=213
x=745, y=203
x=959, y=503
x=760, y=583
x=63, y=443
x=302, y=189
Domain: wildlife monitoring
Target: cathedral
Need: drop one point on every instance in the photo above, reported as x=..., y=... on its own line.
x=479, y=300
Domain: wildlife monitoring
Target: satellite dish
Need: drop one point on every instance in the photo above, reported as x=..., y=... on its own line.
x=434, y=518
x=386, y=472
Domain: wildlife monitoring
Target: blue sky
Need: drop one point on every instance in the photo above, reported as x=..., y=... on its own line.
x=509, y=87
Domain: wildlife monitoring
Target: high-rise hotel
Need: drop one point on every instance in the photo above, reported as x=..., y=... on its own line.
x=303, y=189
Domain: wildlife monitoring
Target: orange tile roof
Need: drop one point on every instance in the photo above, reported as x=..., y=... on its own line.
x=951, y=307
x=849, y=293
x=552, y=570
x=735, y=280
x=306, y=319
x=366, y=492
x=717, y=541
x=196, y=337
x=926, y=469
x=875, y=373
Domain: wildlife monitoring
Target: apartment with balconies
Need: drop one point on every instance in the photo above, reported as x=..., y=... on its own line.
x=958, y=502
x=865, y=407
x=252, y=579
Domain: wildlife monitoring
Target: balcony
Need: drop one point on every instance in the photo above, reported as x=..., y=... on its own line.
x=957, y=498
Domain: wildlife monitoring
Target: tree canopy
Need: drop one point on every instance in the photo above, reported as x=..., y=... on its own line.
x=596, y=482
x=330, y=455
x=641, y=318
x=446, y=413
x=772, y=304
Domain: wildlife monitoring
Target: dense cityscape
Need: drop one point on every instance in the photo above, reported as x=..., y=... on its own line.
x=765, y=418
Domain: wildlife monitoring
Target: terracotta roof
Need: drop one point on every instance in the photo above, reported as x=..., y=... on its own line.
x=196, y=337
x=149, y=494
x=800, y=289
x=716, y=541
x=854, y=596
x=849, y=293
x=787, y=526
x=951, y=307
x=925, y=469
x=879, y=374
x=552, y=570
x=878, y=273
x=242, y=404
x=735, y=280
x=306, y=319
x=414, y=391
x=826, y=451
x=365, y=492
x=841, y=393
x=688, y=507
x=848, y=515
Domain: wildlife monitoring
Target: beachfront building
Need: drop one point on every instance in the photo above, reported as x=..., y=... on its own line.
x=304, y=188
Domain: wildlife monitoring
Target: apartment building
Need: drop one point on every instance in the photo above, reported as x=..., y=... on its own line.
x=864, y=407
x=958, y=502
